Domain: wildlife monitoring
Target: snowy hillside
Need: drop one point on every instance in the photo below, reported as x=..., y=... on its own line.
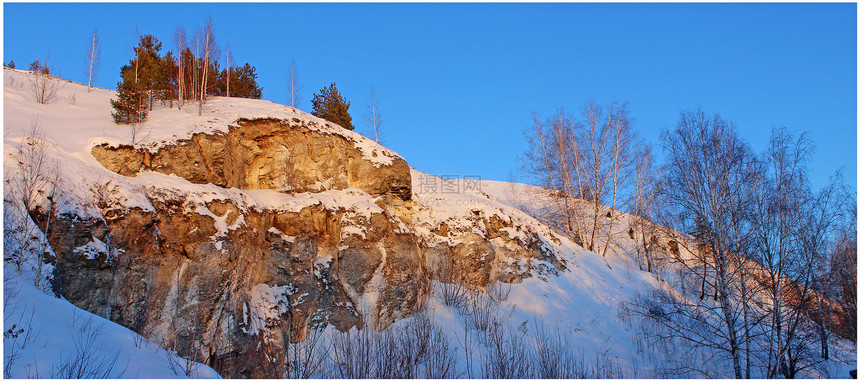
x=46, y=337
x=576, y=298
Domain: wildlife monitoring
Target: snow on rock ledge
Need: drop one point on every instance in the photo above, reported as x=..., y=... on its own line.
x=286, y=155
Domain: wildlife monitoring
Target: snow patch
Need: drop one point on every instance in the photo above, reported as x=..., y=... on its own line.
x=93, y=249
x=286, y=238
x=266, y=306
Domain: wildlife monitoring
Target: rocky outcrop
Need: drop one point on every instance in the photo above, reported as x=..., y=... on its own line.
x=218, y=279
x=295, y=155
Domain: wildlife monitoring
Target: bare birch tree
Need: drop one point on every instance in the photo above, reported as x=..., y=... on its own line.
x=820, y=217
x=551, y=165
x=208, y=45
x=180, y=40
x=842, y=270
x=293, y=84
x=645, y=206
x=777, y=209
x=228, y=60
x=94, y=58
x=707, y=173
x=623, y=149
x=587, y=164
x=792, y=226
x=374, y=117
x=195, y=64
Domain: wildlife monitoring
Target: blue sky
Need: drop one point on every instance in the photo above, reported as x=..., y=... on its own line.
x=457, y=83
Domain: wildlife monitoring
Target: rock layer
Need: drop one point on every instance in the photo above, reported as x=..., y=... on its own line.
x=294, y=156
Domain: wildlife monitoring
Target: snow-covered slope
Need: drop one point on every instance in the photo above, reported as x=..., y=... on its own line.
x=47, y=337
x=582, y=303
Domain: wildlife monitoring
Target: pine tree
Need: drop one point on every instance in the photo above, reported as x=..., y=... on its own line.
x=37, y=67
x=147, y=71
x=11, y=64
x=243, y=82
x=140, y=82
x=331, y=106
x=130, y=106
x=166, y=82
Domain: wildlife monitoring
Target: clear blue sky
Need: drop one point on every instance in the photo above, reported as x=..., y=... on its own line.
x=458, y=82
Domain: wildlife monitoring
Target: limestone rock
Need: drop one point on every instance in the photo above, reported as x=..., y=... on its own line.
x=267, y=154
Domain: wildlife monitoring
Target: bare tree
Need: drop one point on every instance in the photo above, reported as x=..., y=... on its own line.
x=196, y=39
x=777, y=209
x=586, y=164
x=228, y=60
x=821, y=215
x=209, y=55
x=551, y=164
x=305, y=359
x=138, y=132
x=293, y=84
x=17, y=229
x=36, y=186
x=374, y=117
x=94, y=58
x=843, y=265
x=34, y=166
x=645, y=206
x=792, y=226
x=44, y=87
x=606, y=158
x=180, y=40
x=707, y=178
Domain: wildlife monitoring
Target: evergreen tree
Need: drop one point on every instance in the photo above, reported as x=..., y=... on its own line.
x=189, y=75
x=141, y=82
x=146, y=68
x=11, y=64
x=37, y=67
x=243, y=82
x=166, y=82
x=331, y=106
x=130, y=106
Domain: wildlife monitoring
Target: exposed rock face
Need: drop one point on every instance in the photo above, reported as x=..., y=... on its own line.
x=269, y=154
x=218, y=279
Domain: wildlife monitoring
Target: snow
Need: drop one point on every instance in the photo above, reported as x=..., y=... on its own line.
x=93, y=249
x=582, y=301
x=53, y=330
x=79, y=120
x=284, y=237
x=352, y=230
x=320, y=264
x=267, y=305
x=76, y=128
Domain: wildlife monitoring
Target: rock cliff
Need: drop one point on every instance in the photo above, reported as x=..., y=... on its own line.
x=274, y=154
x=257, y=234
